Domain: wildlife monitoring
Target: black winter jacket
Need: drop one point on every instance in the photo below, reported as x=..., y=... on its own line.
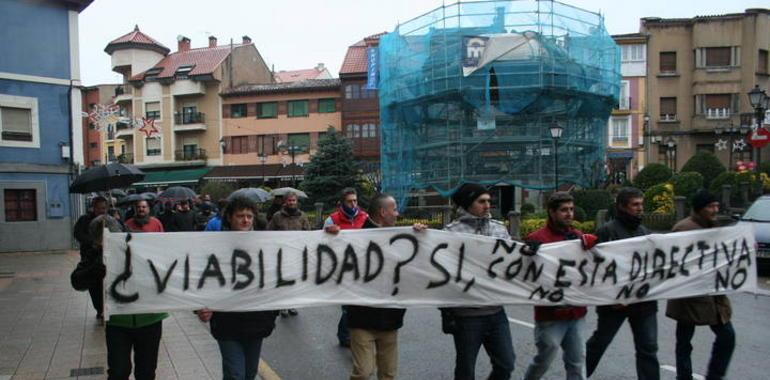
x=375, y=318
x=618, y=229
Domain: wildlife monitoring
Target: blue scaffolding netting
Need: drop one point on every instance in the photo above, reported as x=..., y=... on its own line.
x=468, y=93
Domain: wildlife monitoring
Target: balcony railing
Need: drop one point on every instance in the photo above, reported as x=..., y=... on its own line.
x=126, y=158
x=718, y=113
x=189, y=118
x=120, y=90
x=624, y=103
x=667, y=117
x=190, y=155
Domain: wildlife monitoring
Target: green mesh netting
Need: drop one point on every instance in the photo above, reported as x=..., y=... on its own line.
x=468, y=92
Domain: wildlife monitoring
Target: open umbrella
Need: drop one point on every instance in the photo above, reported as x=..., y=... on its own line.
x=253, y=193
x=177, y=193
x=106, y=177
x=131, y=198
x=280, y=192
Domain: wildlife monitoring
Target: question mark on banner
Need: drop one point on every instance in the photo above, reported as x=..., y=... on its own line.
x=397, y=271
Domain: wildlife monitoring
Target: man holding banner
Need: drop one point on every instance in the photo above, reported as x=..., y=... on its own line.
x=473, y=327
x=713, y=311
x=642, y=316
x=559, y=326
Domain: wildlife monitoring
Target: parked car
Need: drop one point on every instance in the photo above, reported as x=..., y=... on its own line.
x=758, y=215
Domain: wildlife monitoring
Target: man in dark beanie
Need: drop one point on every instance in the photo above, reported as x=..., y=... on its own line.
x=712, y=311
x=472, y=327
x=642, y=316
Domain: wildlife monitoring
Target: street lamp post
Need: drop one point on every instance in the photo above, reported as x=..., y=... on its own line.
x=671, y=150
x=556, y=131
x=761, y=103
x=262, y=160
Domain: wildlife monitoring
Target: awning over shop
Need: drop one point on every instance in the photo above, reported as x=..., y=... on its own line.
x=265, y=172
x=172, y=177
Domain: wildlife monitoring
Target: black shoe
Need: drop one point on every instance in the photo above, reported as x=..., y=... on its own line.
x=293, y=312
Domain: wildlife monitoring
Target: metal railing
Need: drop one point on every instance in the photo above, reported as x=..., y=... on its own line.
x=190, y=155
x=189, y=118
x=718, y=113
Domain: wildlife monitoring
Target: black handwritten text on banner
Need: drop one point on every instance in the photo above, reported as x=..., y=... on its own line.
x=393, y=267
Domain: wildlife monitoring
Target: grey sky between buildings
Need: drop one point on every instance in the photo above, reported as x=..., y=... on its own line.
x=298, y=34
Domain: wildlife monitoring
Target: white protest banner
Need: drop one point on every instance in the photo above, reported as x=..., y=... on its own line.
x=398, y=267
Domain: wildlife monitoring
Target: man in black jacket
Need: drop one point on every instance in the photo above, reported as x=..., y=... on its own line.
x=642, y=316
x=85, y=241
x=376, y=329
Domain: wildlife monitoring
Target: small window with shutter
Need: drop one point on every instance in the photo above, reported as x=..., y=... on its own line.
x=668, y=109
x=16, y=124
x=718, y=56
x=668, y=62
x=762, y=62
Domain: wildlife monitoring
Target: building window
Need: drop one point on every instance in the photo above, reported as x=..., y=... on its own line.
x=267, y=110
x=718, y=106
x=352, y=91
x=110, y=153
x=624, y=102
x=297, y=108
x=620, y=130
x=368, y=130
x=668, y=62
x=93, y=145
x=239, y=145
x=152, y=110
x=183, y=72
x=16, y=124
x=762, y=62
x=667, y=109
x=327, y=105
x=237, y=110
x=153, y=146
x=299, y=140
x=718, y=56
x=20, y=205
x=353, y=131
x=632, y=53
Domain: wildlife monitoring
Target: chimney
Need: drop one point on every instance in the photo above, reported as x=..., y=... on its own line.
x=183, y=43
x=246, y=40
x=212, y=42
x=320, y=67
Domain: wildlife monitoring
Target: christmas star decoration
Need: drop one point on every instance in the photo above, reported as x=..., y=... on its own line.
x=721, y=144
x=148, y=128
x=739, y=145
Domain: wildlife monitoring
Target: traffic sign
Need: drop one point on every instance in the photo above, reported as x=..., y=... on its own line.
x=759, y=138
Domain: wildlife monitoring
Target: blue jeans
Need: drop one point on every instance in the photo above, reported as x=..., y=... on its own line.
x=240, y=358
x=645, y=330
x=549, y=336
x=493, y=332
x=343, y=333
x=721, y=351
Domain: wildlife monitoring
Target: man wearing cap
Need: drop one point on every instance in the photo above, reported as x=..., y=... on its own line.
x=712, y=311
x=473, y=327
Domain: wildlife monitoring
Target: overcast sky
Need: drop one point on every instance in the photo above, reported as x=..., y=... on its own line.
x=298, y=34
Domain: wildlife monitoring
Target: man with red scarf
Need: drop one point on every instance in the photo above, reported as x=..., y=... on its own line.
x=347, y=217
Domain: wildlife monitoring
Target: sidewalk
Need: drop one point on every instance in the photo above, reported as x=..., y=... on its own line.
x=50, y=331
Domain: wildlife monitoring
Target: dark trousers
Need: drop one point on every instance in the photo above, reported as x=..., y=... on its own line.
x=491, y=331
x=343, y=333
x=97, y=298
x=144, y=341
x=240, y=358
x=721, y=351
x=645, y=330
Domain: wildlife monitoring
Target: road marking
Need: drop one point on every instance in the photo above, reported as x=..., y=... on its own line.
x=673, y=369
x=267, y=373
x=518, y=322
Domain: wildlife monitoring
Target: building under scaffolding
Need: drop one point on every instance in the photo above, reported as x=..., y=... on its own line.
x=468, y=92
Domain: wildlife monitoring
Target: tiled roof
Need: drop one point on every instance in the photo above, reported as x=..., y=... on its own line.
x=355, y=61
x=136, y=39
x=296, y=75
x=286, y=87
x=204, y=61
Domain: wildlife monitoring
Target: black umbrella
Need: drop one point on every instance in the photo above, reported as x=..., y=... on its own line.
x=177, y=193
x=254, y=194
x=106, y=177
x=136, y=197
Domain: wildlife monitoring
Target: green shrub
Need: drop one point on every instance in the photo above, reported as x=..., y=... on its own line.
x=527, y=208
x=592, y=200
x=659, y=199
x=705, y=163
x=536, y=215
x=217, y=190
x=764, y=168
x=580, y=214
x=687, y=184
x=531, y=225
x=651, y=175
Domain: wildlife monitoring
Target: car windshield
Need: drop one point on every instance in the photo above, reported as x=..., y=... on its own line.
x=759, y=211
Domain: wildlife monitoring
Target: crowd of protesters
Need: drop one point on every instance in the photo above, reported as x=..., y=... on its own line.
x=372, y=333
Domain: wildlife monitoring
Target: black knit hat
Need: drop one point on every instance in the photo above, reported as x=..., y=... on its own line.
x=467, y=193
x=702, y=199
